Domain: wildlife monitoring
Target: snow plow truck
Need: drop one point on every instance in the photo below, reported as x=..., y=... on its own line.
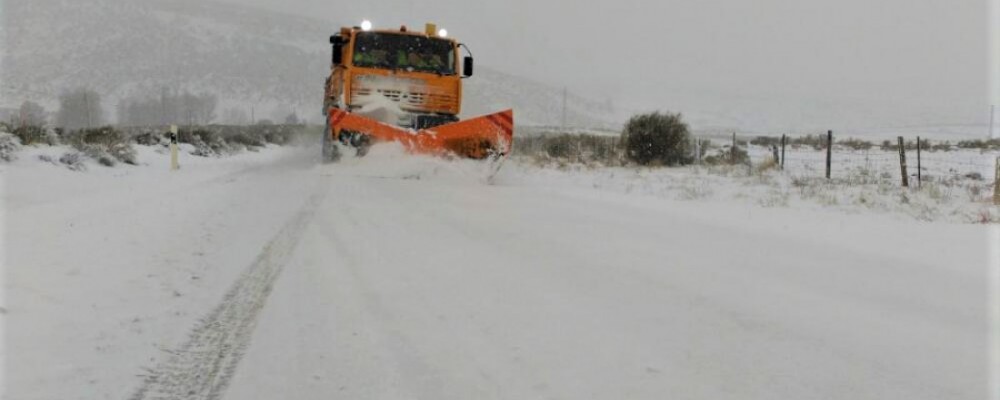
x=406, y=87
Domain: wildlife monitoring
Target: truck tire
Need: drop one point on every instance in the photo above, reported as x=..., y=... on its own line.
x=331, y=152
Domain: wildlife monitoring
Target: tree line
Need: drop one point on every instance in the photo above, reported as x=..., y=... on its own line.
x=82, y=108
x=169, y=107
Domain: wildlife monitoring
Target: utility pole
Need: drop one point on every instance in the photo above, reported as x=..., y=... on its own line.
x=86, y=101
x=564, y=110
x=993, y=116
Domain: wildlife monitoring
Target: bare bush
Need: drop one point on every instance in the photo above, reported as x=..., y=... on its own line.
x=585, y=149
x=657, y=139
x=32, y=134
x=106, y=145
x=991, y=144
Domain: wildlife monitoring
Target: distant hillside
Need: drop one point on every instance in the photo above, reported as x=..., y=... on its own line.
x=270, y=62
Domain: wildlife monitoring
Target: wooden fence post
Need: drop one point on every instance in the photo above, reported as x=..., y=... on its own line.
x=784, y=139
x=733, y=152
x=902, y=162
x=996, y=184
x=920, y=177
x=829, y=152
x=173, y=148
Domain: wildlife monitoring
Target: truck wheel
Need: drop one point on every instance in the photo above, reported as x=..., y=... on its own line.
x=331, y=153
x=362, y=142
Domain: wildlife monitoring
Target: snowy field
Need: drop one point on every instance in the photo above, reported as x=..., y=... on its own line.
x=956, y=186
x=267, y=275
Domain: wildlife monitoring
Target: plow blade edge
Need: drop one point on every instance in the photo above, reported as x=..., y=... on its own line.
x=478, y=138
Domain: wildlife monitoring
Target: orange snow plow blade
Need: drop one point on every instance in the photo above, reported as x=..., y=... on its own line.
x=477, y=138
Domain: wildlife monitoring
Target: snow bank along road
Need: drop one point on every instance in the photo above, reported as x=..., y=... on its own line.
x=398, y=278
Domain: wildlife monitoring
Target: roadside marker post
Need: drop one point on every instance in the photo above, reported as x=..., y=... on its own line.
x=784, y=139
x=173, y=148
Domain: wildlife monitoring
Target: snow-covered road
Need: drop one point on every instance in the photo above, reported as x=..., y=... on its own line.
x=389, y=278
x=438, y=289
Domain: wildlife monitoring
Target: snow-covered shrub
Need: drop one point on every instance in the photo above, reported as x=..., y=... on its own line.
x=147, y=139
x=9, y=146
x=32, y=134
x=990, y=144
x=124, y=152
x=219, y=145
x=106, y=145
x=47, y=158
x=584, y=149
x=277, y=134
x=909, y=145
x=201, y=148
x=105, y=159
x=856, y=144
x=73, y=160
x=766, y=141
x=207, y=142
x=248, y=139
x=657, y=139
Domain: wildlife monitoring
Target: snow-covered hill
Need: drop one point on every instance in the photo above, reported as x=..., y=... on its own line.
x=250, y=58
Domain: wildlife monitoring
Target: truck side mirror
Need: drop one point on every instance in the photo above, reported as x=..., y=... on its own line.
x=467, y=67
x=338, y=54
x=338, y=48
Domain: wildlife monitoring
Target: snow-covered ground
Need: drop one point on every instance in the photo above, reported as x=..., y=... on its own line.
x=266, y=275
x=957, y=186
x=105, y=268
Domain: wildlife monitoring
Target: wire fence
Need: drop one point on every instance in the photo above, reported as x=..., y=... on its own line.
x=805, y=157
x=804, y=160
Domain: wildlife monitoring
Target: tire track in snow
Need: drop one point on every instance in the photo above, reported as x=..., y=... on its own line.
x=202, y=367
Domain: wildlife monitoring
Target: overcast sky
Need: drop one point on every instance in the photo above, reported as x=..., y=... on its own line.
x=914, y=55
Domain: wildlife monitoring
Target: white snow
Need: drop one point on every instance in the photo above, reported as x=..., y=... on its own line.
x=105, y=268
x=380, y=108
x=415, y=278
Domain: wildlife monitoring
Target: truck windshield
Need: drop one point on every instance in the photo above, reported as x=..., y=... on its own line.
x=406, y=52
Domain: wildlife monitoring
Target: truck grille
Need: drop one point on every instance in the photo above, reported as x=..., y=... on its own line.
x=414, y=99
